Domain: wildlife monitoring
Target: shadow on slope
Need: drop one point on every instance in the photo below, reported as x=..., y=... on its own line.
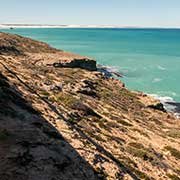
x=31, y=148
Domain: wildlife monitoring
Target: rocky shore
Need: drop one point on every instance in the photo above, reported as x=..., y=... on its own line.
x=61, y=119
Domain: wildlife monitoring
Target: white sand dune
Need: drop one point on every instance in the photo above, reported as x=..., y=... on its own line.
x=7, y=26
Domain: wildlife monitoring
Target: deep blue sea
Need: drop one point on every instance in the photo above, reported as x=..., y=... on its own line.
x=148, y=58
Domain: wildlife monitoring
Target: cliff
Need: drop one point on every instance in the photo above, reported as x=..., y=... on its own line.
x=62, y=119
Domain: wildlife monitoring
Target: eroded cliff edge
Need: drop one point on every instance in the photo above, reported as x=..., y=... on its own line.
x=61, y=119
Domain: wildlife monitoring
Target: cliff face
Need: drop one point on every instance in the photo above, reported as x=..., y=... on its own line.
x=61, y=119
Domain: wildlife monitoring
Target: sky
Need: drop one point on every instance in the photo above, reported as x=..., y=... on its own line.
x=144, y=13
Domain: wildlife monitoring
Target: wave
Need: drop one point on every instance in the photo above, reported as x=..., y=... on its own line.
x=161, y=68
x=110, y=71
x=156, y=80
x=169, y=104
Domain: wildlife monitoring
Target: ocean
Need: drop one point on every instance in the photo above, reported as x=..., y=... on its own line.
x=149, y=59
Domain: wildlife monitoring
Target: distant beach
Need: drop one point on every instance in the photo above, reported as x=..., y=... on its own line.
x=8, y=26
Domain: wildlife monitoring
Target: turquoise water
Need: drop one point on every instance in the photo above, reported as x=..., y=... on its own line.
x=148, y=58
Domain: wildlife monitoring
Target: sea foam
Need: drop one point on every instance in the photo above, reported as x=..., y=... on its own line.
x=169, y=104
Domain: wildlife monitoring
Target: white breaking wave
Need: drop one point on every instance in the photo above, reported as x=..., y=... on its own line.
x=110, y=70
x=168, y=102
x=156, y=80
x=163, y=99
x=161, y=68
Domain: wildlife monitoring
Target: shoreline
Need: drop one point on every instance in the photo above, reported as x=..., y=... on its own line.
x=170, y=105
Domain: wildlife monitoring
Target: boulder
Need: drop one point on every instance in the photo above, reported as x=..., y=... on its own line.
x=87, y=64
x=87, y=87
x=158, y=106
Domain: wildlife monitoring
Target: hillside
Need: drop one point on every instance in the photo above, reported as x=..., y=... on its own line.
x=61, y=119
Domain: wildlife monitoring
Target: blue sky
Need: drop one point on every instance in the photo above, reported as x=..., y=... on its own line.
x=164, y=13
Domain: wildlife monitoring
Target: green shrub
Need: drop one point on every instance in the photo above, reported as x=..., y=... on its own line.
x=173, y=177
x=138, y=173
x=4, y=135
x=67, y=100
x=147, y=154
x=174, y=133
x=174, y=152
x=44, y=93
x=124, y=123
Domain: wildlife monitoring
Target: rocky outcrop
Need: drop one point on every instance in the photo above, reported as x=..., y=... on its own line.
x=63, y=60
x=42, y=53
x=86, y=87
x=158, y=106
x=4, y=49
x=77, y=63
